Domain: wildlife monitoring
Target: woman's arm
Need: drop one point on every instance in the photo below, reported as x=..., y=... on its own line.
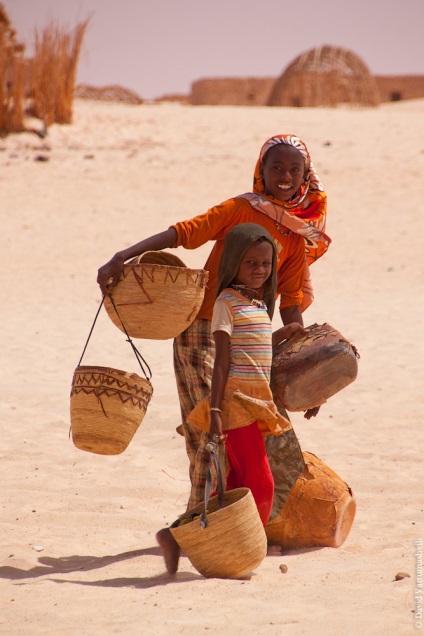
x=219, y=379
x=285, y=333
x=108, y=275
x=291, y=314
x=190, y=234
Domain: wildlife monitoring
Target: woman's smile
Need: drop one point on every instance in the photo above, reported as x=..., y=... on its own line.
x=283, y=170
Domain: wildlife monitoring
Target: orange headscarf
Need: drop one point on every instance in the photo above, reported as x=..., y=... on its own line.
x=304, y=214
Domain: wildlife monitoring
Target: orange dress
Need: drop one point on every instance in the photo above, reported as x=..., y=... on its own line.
x=214, y=225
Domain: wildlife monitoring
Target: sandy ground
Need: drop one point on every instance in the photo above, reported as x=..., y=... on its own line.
x=118, y=174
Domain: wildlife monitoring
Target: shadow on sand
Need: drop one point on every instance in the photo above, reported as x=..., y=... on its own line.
x=75, y=563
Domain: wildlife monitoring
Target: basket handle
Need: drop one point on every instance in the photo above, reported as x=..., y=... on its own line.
x=141, y=361
x=213, y=461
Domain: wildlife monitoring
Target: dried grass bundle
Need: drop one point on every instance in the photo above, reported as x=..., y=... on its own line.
x=54, y=71
x=11, y=77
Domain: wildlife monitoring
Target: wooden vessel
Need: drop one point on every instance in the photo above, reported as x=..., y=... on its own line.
x=319, y=510
x=308, y=369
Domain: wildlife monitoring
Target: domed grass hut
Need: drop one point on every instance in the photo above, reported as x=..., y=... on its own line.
x=325, y=76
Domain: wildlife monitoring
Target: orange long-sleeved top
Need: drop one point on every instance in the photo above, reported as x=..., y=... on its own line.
x=214, y=224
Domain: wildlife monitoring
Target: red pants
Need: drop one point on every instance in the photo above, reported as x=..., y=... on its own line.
x=249, y=466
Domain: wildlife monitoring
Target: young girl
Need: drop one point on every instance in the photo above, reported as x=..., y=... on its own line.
x=240, y=402
x=288, y=201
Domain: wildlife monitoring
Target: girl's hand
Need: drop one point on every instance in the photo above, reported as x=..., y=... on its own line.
x=287, y=332
x=215, y=427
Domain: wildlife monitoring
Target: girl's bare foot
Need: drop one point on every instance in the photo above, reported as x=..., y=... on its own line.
x=170, y=549
x=274, y=550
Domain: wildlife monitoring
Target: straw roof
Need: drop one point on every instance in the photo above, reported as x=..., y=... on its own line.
x=113, y=93
x=325, y=76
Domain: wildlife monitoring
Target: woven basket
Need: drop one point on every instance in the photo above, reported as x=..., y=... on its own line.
x=234, y=541
x=319, y=510
x=107, y=407
x=157, y=296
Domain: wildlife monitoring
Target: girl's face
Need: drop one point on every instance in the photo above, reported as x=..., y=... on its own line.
x=256, y=265
x=283, y=169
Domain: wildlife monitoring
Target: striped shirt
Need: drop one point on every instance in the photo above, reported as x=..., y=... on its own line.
x=250, y=331
x=247, y=396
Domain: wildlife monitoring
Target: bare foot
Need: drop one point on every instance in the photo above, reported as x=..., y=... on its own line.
x=170, y=549
x=274, y=550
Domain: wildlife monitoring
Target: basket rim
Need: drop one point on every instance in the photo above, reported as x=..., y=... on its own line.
x=210, y=515
x=111, y=369
x=131, y=265
x=161, y=254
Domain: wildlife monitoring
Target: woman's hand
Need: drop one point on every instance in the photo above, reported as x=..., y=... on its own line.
x=108, y=275
x=311, y=412
x=287, y=332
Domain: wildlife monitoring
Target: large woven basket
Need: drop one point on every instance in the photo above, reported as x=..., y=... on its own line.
x=157, y=296
x=107, y=407
x=234, y=541
x=319, y=510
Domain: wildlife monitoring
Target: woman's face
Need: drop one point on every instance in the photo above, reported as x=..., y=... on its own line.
x=256, y=265
x=283, y=169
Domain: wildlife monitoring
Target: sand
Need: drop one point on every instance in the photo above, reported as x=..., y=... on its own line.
x=78, y=553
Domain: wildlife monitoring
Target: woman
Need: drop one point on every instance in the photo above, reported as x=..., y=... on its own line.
x=288, y=201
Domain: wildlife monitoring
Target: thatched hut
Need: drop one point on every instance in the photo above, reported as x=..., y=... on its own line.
x=112, y=93
x=325, y=76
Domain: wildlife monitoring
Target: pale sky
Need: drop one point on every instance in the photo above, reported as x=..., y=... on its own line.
x=161, y=46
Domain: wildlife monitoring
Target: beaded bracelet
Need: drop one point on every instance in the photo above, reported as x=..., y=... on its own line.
x=214, y=409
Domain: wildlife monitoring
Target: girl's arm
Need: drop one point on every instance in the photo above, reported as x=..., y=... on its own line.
x=111, y=271
x=219, y=379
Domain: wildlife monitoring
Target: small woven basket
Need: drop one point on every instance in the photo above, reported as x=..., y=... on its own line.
x=157, y=296
x=319, y=510
x=226, y=539
x=107, y=407
x=234, y=541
